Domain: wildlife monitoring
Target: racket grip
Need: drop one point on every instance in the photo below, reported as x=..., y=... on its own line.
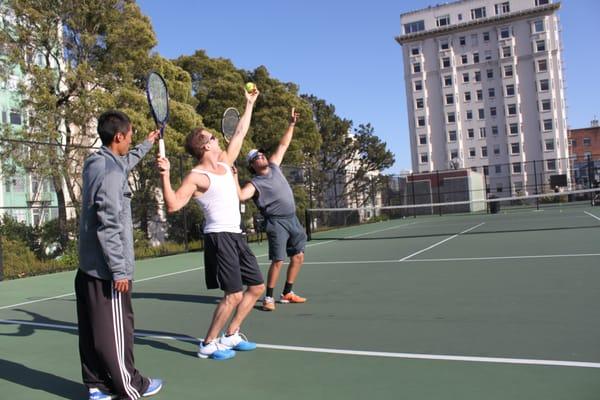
x=161, y=147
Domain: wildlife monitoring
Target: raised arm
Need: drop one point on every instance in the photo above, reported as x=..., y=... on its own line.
x=235, y=144
x=285, y=140
x=175, y=200
x=246, y=192
x=138, y=152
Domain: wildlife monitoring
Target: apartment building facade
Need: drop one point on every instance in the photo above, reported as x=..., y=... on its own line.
x=484, y=86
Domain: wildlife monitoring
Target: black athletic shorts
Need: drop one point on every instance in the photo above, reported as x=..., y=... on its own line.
x=229, y=263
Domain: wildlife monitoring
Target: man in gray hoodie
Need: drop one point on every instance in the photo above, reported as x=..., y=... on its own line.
x=106, y=264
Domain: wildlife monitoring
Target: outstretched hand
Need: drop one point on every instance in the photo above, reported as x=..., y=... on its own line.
x=152, y=136
x=252, y=96
x=294, y=116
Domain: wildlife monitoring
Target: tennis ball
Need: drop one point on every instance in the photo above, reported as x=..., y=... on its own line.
x=250, y=87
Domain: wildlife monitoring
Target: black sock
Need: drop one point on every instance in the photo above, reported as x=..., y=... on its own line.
x=270, y=292
x=287, y=288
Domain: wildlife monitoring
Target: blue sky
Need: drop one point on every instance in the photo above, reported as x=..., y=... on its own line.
x=345, y=53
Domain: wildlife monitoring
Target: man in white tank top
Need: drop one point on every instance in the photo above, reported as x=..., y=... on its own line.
x=229, y=263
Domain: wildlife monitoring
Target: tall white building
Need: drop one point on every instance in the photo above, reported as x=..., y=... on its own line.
x=484, y=86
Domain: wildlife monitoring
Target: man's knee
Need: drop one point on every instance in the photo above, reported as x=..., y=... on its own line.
x=298, y=258
x=233, y=299
x=257, y=290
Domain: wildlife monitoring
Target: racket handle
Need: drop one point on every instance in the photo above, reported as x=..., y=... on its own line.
x=161, y=147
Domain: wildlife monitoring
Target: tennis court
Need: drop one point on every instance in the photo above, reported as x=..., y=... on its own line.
x=501, y=306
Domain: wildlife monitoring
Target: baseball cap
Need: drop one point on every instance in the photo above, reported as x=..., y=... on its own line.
x=252, y=153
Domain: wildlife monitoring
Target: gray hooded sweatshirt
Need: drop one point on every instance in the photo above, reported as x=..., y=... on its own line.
x=106, y=228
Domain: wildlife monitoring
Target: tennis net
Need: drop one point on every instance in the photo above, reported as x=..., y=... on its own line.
x=578, y=209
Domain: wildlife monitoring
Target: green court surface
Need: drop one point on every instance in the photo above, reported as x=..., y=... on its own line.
x=454, y=307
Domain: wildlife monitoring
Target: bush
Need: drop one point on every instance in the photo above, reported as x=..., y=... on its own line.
x=19, y=261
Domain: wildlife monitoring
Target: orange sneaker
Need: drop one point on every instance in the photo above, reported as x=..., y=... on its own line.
x=268, y=304
x=291, y=297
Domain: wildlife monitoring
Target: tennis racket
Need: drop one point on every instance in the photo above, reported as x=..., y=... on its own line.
x=229, y=122
x=158, y=99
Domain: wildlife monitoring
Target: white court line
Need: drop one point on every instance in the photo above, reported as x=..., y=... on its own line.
x=592, y=215
x=503, y=257
x=72, y=293
x=440, y=242
x=415, y=356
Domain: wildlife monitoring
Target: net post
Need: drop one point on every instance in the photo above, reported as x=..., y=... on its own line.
x=185, y=226
x=1, y=261
x=537, y=199
x=439, y=196
x=414, y=202
x=307, y=223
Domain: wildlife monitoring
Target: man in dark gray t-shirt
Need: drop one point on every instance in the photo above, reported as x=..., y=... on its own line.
x=274, y=198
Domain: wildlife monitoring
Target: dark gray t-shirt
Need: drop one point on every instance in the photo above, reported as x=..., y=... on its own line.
x=275, y=197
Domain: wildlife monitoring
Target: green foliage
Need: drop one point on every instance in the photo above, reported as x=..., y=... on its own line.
x=19, y=261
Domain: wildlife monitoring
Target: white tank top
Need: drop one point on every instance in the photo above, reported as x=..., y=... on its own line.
x=220, y=203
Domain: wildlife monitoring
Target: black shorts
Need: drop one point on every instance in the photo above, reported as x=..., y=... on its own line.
x=229, y=263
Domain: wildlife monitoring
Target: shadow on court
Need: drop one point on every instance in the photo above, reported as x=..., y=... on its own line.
x=184, y=298
x=39, y=322
x=39, y=380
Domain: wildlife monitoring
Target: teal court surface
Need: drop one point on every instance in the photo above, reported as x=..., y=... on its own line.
x=502, y=306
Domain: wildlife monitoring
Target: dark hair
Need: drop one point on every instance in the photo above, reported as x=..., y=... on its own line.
x=194, y=143
x=110, y=123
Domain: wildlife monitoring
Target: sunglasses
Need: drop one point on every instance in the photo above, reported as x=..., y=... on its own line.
x=256, y=157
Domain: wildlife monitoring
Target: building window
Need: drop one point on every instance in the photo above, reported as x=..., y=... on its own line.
x=477, y=13
x=481, y=113
x=422, y=139
x=587, y=141
x=516, y=168
x=449, y=98
x=471, y=133
x=472, y=152
x=551, y=165
x=544, y=85
x=465, y=77
x=547, y=125
x=482, y=133
x=467, y=96
x=418, y=86
x=483, y=151
x=444, y=44
x=416, y=67
x=479, y=94
x=446, y=62
x=462, y=41
x=469, y=115
x=542, y=65
x=506, y=51
x=448, y=80
x=546, y=105
x=498, y=169
x=502, y=8
x=486, y=170
x=15, y=117
x=540, y=45
x=415, y=51
x=413, y=27
x=515, y=148
x=475, y=58
x=495, y=130
x=488, y=55
x=573, y=143
x=490, y=73
x=424, y=158
x=508, y=71
x=444, y=20
x=538, y=26
x=486, y=36
x=464, y=59
x=420, y=103
x=451, y=117
x=549, y=144
x=477, y=76
x=504, y=32
x=511, y=109
x=452, y=136
x=513, y=129
x=453, y=154
x=541, y=2
x=492, y=92
x=510, y=90
x=420, y=121
x=496, y=149
x=493, y=111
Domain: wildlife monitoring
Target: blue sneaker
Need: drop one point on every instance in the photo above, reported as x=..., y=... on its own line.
x=215, y=351
x=154, y=387
x=96, y=394
x=238, y=341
